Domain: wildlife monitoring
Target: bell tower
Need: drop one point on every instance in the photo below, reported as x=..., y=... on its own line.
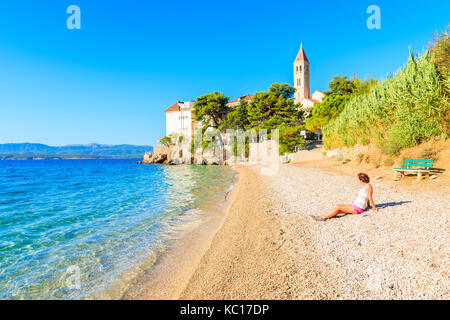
x=301, y=76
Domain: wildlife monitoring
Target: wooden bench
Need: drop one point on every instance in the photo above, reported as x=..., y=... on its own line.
x=418, y=166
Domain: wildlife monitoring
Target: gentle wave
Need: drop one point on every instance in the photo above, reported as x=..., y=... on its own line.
x=106, y=217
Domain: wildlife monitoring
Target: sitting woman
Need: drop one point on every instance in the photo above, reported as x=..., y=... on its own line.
x=359, y=205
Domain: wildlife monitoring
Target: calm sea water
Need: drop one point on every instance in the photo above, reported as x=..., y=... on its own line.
x=99, y=217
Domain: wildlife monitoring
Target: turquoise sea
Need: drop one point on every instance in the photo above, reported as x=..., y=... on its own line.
x=99, y=221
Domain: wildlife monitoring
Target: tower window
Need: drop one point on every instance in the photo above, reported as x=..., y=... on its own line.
x=300, y=68
x=299, y=82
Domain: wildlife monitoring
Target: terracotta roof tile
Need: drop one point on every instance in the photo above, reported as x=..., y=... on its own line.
x=247, y=97
x=174, y=107
x=313, y=100
x=301, y=56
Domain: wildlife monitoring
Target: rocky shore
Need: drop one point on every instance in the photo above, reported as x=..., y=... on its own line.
x=265, y=152
x=175, y=155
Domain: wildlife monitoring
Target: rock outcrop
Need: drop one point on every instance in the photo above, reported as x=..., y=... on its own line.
x=171, y=155
x=179, y=154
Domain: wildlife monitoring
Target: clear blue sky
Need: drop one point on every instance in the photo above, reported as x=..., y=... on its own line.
x=110, y=81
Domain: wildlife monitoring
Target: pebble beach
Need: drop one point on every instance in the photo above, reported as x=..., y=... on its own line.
x=268, y=246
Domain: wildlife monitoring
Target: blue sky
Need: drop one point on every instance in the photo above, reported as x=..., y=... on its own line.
x=110, y=81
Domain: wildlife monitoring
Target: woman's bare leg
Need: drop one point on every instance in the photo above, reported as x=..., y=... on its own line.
x=340, y=208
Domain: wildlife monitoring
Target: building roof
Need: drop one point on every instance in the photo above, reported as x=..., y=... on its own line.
x=247, y=97
x=301, y=56
x=174, y=107
x=313, y=100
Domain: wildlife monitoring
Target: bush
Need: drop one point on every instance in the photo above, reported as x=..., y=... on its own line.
x=388, y=162
x=364, y=141
x=440, y=49
x=360, y=157
x=428, y=153
x=400, y=112
x=166, y=141
x=391, y=148
x=290, y=138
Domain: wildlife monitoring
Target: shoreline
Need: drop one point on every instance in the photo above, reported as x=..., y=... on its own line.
x=173, y=269
x=250, y=257
x=243, y=251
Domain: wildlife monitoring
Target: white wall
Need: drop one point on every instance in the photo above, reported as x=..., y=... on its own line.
x=307, y=104
x=172, y=122
x=185, y=122
x=180, y=122
x=318, y=96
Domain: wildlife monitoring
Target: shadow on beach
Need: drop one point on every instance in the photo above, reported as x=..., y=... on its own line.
x=391, y=204
x=379, y=206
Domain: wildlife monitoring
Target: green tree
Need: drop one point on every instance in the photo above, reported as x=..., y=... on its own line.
x=342, y=86
x=341, y=90
x=290, y=138
x=176, y=138
x=238, y=118
x=165, y=141
x=331, y=106
x=275, y=108
x=211, y=109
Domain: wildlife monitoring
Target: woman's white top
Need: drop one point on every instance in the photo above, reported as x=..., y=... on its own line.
x=361, y=200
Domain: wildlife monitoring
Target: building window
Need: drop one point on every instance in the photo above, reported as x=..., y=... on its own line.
x=299, y=82
x=300, y=68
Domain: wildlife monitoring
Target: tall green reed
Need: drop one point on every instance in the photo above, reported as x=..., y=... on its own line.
x=404, y=110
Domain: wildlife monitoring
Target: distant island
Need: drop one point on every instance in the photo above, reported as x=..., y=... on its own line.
x=35, y=151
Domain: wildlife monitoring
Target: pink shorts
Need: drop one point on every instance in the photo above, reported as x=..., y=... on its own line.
x=358, y=210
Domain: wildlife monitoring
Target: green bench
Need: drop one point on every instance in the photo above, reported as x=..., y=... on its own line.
x=418, y=166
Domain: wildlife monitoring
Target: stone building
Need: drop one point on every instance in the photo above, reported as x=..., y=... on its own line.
x=301, y=82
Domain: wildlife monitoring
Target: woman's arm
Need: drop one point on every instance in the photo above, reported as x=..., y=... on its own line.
x=369, y=194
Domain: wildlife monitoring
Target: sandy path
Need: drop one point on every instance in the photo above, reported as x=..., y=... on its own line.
x=269, y=248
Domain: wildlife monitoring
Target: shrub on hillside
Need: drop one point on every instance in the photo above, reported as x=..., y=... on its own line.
x=388, y=162
x=402, y=111
x=440, y=51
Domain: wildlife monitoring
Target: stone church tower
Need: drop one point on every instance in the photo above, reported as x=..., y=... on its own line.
x=301, y=76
